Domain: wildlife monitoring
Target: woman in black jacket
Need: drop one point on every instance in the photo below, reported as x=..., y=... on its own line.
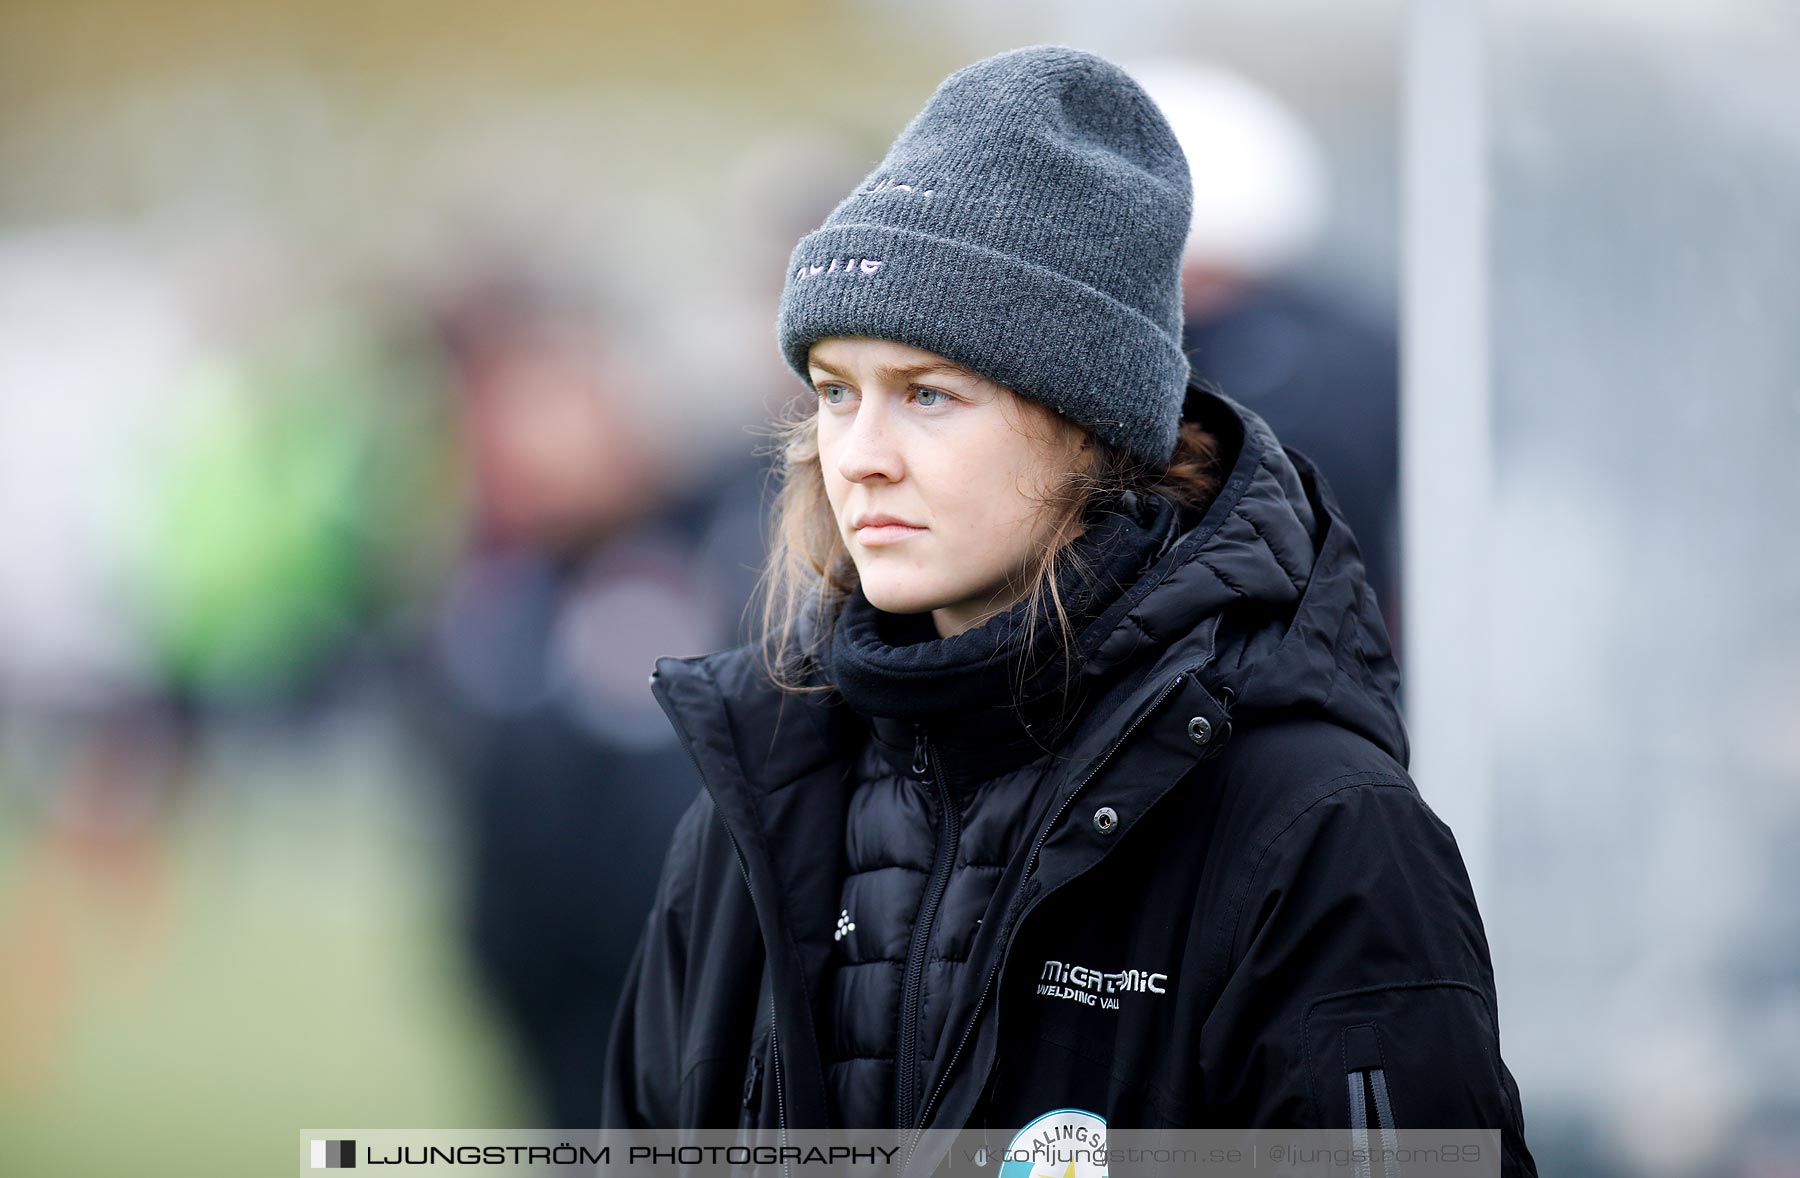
x=1067, y=783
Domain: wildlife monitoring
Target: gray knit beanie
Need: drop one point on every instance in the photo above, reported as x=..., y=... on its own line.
x=1027, y=224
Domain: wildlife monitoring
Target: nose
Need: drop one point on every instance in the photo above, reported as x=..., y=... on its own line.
x=868, y=448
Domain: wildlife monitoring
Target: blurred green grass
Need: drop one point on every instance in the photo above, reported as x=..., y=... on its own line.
x=286, y=960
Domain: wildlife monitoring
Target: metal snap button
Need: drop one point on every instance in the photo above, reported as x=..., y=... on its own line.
x=1106, y=820
x=1199, y=730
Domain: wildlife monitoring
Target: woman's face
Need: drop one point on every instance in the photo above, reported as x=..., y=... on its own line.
x=906, y=435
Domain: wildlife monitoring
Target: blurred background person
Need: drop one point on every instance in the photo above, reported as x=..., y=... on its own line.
x=585, y=557
x=1322, y=369
x=613, y=514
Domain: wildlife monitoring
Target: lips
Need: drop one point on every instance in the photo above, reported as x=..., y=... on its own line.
x=879, y=520
x=878, y=531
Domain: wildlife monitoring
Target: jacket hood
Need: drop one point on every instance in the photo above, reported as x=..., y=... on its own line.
x=1272, y=578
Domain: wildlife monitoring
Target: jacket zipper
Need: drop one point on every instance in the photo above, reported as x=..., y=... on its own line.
x=929, y=770
x=753, y=1083
x=1365, y=1086
x=1030, y=866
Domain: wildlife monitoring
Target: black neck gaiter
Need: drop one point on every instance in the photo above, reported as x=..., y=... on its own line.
x=994, y=696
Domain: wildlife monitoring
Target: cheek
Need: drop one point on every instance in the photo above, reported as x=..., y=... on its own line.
x=835, y=484
x=834, y=487
x=987, y=495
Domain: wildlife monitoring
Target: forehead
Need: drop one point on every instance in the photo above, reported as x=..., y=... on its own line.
x=882, y=357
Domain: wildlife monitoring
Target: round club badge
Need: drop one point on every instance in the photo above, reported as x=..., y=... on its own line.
x=1063, y=1143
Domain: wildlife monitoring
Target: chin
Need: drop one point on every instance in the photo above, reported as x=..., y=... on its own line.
x=900, y=599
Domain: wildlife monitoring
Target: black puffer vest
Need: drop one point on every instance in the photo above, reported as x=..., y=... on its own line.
x=948, y=790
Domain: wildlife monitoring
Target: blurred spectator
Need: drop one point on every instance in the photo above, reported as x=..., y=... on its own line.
x=1323, y=373
x=585, y=565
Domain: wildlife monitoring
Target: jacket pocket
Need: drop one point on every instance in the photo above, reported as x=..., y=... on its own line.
x=1422, y=1054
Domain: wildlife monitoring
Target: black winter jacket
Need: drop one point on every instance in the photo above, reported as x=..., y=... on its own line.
x=1240, y=912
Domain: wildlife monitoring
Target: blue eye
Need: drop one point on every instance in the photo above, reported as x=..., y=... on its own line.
x=825, y=391
x=925, y=392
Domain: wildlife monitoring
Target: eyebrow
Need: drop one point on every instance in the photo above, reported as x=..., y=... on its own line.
x=896, y=372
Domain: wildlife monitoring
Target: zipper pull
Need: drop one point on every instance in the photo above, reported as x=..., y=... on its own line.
x=753, y=1084
x=921, y=765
